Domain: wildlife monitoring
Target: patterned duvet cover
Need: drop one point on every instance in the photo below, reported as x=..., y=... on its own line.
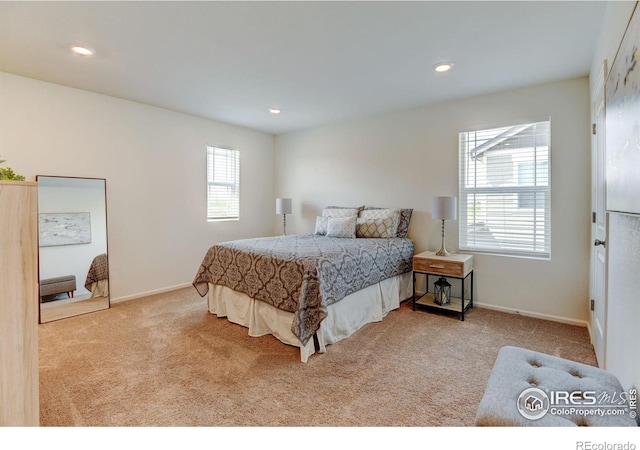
x=304, y=273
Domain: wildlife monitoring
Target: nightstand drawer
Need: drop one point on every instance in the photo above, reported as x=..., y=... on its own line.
x=456, y=265
x=452, y=268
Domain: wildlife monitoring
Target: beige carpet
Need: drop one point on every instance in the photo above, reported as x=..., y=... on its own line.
x=164, y=360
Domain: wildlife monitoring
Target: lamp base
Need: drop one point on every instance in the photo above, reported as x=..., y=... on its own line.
x=443, y=250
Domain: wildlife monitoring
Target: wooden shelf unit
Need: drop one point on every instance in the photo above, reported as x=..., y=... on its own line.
x=19, y=390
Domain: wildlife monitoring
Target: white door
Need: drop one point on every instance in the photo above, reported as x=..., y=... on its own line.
x=598, y=284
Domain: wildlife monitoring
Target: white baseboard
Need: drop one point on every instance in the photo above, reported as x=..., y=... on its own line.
x=581, y=323
x=155, y=291
x=588, y=325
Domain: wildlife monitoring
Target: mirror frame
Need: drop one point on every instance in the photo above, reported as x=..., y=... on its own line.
x=106, y=225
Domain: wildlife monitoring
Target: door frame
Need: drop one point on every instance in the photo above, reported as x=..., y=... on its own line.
x=599, y=216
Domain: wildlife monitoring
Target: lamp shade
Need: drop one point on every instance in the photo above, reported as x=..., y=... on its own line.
x=444, y=208
x=283, y=206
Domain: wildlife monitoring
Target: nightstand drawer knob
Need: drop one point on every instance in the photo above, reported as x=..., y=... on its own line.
x=436, y=266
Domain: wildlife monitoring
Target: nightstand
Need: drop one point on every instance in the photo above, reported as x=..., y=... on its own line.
x=456, y=267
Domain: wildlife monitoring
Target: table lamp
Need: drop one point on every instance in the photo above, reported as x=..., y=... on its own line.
x=444, y=208
x=283, y=206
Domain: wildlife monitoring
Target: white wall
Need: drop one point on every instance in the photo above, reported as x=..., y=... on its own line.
x=403, y=159
x=154, y=163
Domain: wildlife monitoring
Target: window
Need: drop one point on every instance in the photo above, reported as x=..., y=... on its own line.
x=223, y=184
x=505, y=193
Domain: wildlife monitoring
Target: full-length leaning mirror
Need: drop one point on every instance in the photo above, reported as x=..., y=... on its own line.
x=72, y=228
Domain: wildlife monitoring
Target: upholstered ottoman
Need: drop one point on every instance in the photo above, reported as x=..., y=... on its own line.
x=528, y=388
x=51, y=287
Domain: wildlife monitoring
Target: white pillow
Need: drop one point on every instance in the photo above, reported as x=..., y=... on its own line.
x=372, y=214
x=340, y=212
x=321, y=225
x=342, y=227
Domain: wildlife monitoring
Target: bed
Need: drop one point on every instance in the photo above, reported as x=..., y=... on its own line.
x=312, y=290
x=97, y=281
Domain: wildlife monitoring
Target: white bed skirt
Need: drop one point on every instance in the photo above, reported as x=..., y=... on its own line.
x=345, y=317
x=100, y=288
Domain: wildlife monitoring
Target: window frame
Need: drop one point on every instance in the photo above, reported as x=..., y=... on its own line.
x=539, y=230
x=232, y=211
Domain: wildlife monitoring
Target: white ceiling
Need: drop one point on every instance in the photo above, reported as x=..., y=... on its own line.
x=320, y=62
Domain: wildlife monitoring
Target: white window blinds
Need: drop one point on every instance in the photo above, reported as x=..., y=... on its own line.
x=223, y=183
x=505, y=192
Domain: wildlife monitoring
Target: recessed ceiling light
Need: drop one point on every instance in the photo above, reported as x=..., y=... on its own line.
x=275, y=110
x=443, y=67
x=82, y=50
